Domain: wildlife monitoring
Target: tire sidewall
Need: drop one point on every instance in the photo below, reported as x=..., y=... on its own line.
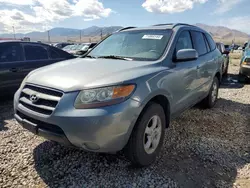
x=210, y=101
x=152, y=109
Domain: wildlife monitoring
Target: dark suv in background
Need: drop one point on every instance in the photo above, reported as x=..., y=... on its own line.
x=18, y=58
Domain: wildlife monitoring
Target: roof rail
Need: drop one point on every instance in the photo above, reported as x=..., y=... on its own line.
x=125, y=28
x=177, y=24
x=174, y=24
x=163, y=24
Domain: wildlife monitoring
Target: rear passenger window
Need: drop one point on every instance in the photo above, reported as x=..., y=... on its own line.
x=211, y=42
x=35, y=52
x=199, y=42
x=184, y=41
x=207, y=45
x=54, y=54
x=10, y=52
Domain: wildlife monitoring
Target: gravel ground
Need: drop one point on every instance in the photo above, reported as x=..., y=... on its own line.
x=203, y=148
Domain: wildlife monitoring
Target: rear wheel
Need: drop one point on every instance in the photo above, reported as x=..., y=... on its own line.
x=147, y=137
x=212, y=97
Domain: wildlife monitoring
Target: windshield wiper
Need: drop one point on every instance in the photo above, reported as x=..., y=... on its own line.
x=115, y=57
x=89, y=56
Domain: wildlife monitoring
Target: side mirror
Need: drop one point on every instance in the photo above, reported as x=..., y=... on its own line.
x=186, y=55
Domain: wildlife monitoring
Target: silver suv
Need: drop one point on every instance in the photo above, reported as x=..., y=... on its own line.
x=123, y=93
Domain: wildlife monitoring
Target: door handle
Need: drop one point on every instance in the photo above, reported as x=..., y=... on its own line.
x=14, y=69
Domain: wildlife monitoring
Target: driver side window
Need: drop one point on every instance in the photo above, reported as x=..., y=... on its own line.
x=184, y=41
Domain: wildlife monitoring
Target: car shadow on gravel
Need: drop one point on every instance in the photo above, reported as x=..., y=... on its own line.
x=5, y=113
x=203, y=148
x=232, y=81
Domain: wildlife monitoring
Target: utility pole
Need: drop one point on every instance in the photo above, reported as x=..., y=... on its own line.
x=48, y=37
x=101, y=34
x=80, y=35
x=14, y=33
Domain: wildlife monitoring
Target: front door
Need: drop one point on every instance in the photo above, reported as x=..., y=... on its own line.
x=185, y=77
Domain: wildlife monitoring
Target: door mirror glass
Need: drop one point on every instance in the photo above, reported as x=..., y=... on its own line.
x=186, y=55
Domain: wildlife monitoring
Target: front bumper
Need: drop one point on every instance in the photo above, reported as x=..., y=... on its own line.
x=245, y=70
x=105, y=129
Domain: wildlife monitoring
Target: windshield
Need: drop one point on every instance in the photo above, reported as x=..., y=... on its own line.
x=74, y=47
x=138, y=45
x=85, y=47
x=68, y=47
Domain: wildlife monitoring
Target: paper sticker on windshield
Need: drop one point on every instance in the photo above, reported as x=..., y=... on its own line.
x=154, y=37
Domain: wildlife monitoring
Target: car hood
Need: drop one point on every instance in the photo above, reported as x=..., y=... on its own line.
x=80, y=73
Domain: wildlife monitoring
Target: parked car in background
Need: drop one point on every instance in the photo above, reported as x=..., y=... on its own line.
x=77, y=47
x=228, y=48
x=225, y=54
x=68, y=48
x=85, y=49
x=18, y=58
x=244, y=72
x=62, y=45
x=246, y=45
x=124, y=92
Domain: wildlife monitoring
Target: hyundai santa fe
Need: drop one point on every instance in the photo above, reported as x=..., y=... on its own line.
x=124, y=92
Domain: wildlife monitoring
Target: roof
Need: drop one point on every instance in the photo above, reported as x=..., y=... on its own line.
x=158, y=26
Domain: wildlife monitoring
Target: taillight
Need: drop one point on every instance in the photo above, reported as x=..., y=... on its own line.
x=246, y=61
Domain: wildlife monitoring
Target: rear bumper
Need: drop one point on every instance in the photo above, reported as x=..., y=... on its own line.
x=245, y=70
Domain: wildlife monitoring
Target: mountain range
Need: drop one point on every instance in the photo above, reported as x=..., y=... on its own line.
x=219, y=33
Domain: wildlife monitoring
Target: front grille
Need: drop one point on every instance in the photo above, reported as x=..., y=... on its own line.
x=47, y=99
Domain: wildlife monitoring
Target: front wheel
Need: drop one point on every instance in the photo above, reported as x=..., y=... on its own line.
x=212, y=97
x=147, y=137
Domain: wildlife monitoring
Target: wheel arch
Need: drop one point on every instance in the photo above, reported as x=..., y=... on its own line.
x=162, y=99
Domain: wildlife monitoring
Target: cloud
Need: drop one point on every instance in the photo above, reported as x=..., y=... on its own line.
x=22, y=22
x=226, y=5
x=18, y=2
x=241, y=23
x=170, y=6
x=42, y=13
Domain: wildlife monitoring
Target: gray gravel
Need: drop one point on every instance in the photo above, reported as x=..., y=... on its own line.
x=203, y=148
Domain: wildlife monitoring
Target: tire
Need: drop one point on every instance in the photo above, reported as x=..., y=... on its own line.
x=212, y=97
x=135, y=148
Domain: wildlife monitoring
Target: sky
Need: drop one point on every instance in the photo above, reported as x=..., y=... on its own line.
x=41, y=15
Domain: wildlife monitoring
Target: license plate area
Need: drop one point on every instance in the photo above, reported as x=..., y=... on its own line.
x=30, y=126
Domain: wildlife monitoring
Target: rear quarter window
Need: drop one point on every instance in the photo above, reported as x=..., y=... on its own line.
x=211, y=42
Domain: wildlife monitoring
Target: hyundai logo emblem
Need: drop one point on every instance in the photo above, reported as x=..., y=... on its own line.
x=34, y=98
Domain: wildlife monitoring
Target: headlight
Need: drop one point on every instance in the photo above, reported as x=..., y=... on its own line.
x=92, y=98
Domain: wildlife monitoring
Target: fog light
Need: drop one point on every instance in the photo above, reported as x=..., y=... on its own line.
x=91, y=146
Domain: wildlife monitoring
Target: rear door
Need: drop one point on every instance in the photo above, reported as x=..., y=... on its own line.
x=36, y=56
x=12, y=66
